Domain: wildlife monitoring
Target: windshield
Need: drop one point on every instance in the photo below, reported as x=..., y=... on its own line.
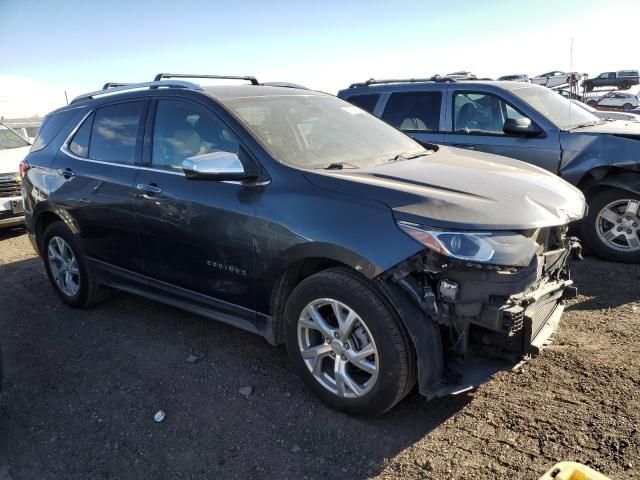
x=10, y=139
x=556, y=108
x=320, y=131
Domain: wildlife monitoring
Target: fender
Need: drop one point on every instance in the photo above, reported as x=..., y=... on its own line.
x=627, y=180
x=425, y=336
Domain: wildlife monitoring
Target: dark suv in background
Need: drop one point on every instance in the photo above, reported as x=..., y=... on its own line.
x=533, y=124
x=295, y=215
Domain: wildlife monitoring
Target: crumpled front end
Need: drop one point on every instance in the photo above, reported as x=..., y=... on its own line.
x=488, y=317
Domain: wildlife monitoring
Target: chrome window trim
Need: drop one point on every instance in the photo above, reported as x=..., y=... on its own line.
x=64, y=148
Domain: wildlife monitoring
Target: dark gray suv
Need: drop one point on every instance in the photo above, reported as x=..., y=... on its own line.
x=379, y=262
x=533, y=124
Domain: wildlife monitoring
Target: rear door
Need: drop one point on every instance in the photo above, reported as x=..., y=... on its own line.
x=196, y=234
x=417, y=113
x=477, y=120
x=93, y=178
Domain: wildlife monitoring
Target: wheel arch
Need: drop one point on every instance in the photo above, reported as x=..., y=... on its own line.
x=603, y=177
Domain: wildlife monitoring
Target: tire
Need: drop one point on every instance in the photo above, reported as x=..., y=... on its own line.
x=627, y=106
x=376, y=326
x=606, y=207
x=588, y=87
x=88, y=292
x=593, y=103
x=625, y=86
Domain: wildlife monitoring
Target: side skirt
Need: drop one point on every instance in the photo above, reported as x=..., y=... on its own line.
x=188, y=300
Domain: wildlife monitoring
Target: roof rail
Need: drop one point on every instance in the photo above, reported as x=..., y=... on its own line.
x=136, y=86
x=284, y=84
x=114, y=84
x=160, y=76
x=373, y=81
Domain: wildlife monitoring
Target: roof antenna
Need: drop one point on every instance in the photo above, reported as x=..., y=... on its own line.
x=571, y=76
x=65, y=97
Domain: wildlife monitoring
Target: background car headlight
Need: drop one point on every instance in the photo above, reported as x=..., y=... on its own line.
x=493, y=248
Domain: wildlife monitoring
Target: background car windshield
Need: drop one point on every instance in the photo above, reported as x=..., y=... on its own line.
x=10, y=139
x=314, y=131
x=556, y=108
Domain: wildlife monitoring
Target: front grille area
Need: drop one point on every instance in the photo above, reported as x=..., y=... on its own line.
x=9, y=187
x=540, y=316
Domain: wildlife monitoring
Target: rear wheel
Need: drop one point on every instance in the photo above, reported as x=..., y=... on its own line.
x=347, y=344
x=67, y=268
x=612, y=227
x=625, y=86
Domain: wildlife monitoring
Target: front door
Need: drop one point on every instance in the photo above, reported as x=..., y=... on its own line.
x=196, y=234
x=477, y=124
x=93, y=182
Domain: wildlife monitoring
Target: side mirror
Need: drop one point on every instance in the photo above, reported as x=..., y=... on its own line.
x=214, y=166
x=520, y=126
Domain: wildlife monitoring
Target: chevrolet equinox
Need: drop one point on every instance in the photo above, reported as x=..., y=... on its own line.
x=379, y=261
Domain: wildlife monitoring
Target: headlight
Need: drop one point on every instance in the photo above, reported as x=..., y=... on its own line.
x=493, y=248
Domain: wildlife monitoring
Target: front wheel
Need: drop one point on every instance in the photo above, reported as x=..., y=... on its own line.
x=347, y=344
x=627, y=106
x=612, y=227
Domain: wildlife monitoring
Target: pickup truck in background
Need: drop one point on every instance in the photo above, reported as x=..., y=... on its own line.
x=623, y=80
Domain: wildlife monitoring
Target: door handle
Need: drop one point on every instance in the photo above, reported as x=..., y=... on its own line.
x=463, y=145
x=66, y=172
x=150, y=188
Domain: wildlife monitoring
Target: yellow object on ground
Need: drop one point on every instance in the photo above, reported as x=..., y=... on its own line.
x=572, y=471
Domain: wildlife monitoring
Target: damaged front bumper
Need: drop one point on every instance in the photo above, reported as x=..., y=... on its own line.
x=484, y=318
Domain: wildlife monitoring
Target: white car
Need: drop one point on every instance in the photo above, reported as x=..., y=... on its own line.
x=13, y=149
x=556, y=78
x=618, y=100
x=518, y=77
x=608, y=115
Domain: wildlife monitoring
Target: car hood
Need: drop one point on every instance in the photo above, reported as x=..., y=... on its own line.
x=462, y=189
x=11, y=158
x=617, y=127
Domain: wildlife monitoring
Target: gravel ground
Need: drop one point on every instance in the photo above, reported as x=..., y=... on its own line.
x=81, y=389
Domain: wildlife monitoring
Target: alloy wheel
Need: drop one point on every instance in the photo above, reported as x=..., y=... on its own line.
x=618, y=225
x=338, y=348
x=63, y=266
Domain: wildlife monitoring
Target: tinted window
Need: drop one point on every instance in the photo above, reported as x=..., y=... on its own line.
x=482, y=113
x=115, y=132
x=183, y=130
x=50, y=127
x=80, y=143
x=366, y=102
x=414, y=110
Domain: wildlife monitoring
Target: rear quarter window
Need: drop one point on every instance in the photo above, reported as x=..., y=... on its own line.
x=51, y=126
x=366, y=102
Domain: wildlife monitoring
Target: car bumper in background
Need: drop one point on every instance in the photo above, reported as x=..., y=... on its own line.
x=11, y=212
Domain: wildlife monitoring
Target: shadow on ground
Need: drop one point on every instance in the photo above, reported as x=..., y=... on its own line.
x=603, y=285
x=82, y=387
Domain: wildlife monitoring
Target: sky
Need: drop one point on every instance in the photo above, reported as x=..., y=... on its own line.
x=50, y=47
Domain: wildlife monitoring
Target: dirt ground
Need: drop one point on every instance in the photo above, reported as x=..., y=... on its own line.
x=81, y=389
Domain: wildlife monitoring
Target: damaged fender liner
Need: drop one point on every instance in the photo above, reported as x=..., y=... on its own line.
x=499, y=318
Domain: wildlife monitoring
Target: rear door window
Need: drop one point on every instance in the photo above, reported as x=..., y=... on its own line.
x=115, y=132
x=365, y=102
x=414, y=111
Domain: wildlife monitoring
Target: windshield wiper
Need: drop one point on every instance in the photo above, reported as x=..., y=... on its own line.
x=404, y=156
x=339, y=166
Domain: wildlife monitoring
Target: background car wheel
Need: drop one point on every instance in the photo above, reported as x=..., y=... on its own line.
x=612, y=227
x=67, y=268
x=627, y=106
x=592, y=103
x=625, y=86
x=347, y=344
